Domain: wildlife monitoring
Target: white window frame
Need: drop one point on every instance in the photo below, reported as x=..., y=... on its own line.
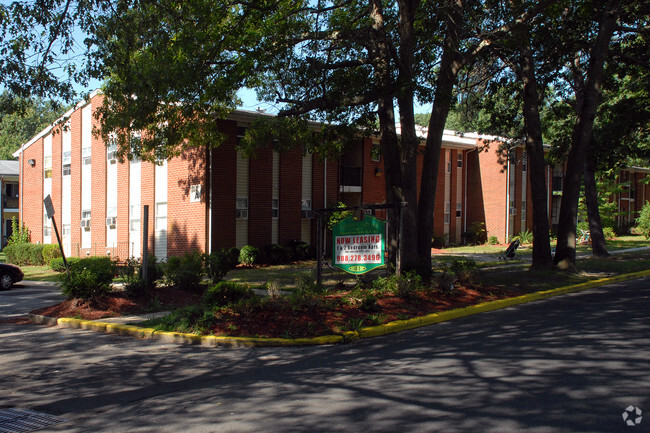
x=195, y=193
x=275, y=208
x=241, y=208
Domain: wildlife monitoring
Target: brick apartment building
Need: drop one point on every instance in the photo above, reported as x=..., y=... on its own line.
x=208, y=199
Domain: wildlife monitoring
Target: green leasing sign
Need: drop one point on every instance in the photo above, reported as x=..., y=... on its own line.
x=358, y=245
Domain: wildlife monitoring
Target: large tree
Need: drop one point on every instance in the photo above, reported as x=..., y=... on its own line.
x=355, y=63
x=42, y=48
x=18, y=126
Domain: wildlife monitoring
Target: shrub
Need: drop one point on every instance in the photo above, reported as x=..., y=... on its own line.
x=525, y=237
x=476, y=234
x=185, y=272
x=35, y=253
x=50, y=251
x=249, y=255
x=338, y=216
x=57, y=265
x=226, y=293
x=192, y=318
x=407, y=284
x=300, y=251
x=464, y=270
x=89, y=278
x=643, y=222
x=493, y=240
x=22, y=254
x=403, y=286
x=274, y=254
x=10, y=254
x=217, y=265
x=233, y=257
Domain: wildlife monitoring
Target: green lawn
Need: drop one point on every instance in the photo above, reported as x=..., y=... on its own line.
x=514, y=275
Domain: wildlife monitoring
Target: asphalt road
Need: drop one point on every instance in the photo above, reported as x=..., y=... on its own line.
x=568, y=364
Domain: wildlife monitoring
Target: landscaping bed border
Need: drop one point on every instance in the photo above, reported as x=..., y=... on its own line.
x=345, y=337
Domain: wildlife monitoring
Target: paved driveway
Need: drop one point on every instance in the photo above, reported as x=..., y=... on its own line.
x=567, y=364
x=26, y=296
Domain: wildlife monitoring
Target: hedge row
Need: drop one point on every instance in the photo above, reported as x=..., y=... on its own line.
x=25, y=254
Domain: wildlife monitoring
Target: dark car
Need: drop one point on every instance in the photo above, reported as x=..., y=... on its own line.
x=9, y=274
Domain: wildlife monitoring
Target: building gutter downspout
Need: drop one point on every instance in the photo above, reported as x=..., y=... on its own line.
x=210, y=186
x=508, y=199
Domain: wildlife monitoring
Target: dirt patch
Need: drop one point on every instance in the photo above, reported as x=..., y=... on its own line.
x=306, y=316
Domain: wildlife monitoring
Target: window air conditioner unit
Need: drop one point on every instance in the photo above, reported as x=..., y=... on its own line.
x=513, y=211
x=111, y=222
x=85, y=223
x=111, y=157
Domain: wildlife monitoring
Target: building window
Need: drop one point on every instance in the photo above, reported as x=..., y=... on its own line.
x=66, y=163
x=459, y=210
x=242, y=208
x=524, y=162
x=111, y=151
x=47, y=166
x=447, y=212
x=275, y=208
x=85, y=220
x=375, y=152
x=459, y=160
x=195, y=193
x=85, y=156
x=161, y=216
x=306, y=209
x=66, y=230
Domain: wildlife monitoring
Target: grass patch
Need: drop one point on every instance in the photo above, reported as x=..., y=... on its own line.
x=39, y=273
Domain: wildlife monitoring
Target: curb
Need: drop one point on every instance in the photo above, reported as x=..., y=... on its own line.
x=345, y=337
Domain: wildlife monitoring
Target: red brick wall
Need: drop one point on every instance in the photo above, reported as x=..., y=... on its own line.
x=224, y=160
x=374, y=182
x=290, y=221
x=486, y=200
x=186, y=220
x=32, y=190
x=260, y=193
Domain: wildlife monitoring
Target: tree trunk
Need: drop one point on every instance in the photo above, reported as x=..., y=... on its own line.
x=409, y=140
x=598, y=246
x=537, y=168
x=565, y=254
x=392, y=171
x=449, y=68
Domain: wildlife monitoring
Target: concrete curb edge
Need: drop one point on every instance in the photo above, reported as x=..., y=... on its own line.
x=345, y=337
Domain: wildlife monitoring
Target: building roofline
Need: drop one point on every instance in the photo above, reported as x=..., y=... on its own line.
x=49, y=128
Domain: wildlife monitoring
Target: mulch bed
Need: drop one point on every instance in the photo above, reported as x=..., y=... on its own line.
x=284, y=318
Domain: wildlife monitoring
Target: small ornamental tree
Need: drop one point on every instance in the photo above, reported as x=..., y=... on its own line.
x=19, y=233
x=643, y=222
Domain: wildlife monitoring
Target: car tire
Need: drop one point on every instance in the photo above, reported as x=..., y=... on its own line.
x=6, y=281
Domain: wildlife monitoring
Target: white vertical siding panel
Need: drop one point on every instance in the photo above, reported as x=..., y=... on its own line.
x=135, y=174
x=241, y=188
x=161, y=222
x=86, y=178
